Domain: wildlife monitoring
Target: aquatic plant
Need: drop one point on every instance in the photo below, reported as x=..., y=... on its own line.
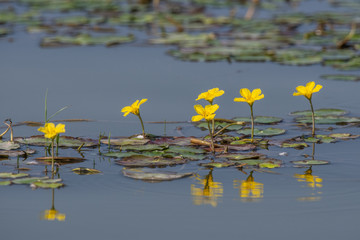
x=250, y=98
x=135, y=109
x=209, y=96
x=207, y=113
x=307, y=92
x=51, y=131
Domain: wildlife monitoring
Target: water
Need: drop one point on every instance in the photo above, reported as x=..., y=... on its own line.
x=96, y=82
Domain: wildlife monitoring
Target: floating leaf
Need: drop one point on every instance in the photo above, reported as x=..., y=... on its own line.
x=219, y=125
x=259, y=119
x=321, y=112
x=343, y=136
x=341, y=77
x=217, y=164
x=153, y=176
x=269, y=165
x=143, y=161
x=15, y=153
x=294, y=145
x=5, y=183
x=42, y=184
x=328, y=120
x=257, y=162
x=29, y=180
x=85, y=171
x=263, y=132
x=310, y=162
x=64, y=141
x=125, y=141
x=8, y=145
x=13, y=175
x=240, y=156
x=60, y=160
x=147, y=147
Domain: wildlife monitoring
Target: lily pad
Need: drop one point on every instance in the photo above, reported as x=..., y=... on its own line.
x=240, y=156
x=328, y=120
x=125, y=141
x=13, y=175
x=219, y=125
x=85, y=171
x=341, y=77
x=269, y=165
x=47, y=183
x=153, y=176
x=8, y=145
x=5, y=183
x=60, y=160
x=310, y=162
x=16, y=153
x=64, y=141
x=294, y=145
x=29, y=180
x=343, y=136
x=147, y=147
x=321, y=112
x=259, y=119
x=143, y=161
x=257, y=162
x=217, y=164
x=263, y=132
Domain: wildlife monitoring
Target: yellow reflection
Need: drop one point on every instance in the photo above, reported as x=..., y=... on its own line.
x=313, y=182
x=249, y=189
x=209, y=192
x=52, y=214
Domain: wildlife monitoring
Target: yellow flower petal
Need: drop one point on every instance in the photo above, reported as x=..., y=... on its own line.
x=133, y=108
x=307, y=90
x=196, y=118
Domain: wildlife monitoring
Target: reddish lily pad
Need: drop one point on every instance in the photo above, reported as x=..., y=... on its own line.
x=60, y=160
x=125, y=141
x=16, y=153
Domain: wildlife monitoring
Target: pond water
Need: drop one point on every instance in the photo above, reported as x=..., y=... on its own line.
x=96, y=82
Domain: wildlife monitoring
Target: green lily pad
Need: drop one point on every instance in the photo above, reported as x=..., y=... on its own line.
x=153, y=176
x=294, y=145
x=259, y=119
x=143, y=161
x=269, y=165
x=85, y=171
x=13, y=175
x=85, y=39
x=125, y=141
x=219, y=125
x=343, y=136
x=311, y=140
x=147, y=147
x=217, y=164
x=263, y=132
x=60, y=160
x=4, y=32
x=351, y=65
x=180, y=38
x=29, y=180
x=328, y=120
x=240, y=156
x=8, y=145
x=64, y=141
x=5, y=183
x=16, y=153
x=257, y=162
x=43, y=184
x=341, y=77
x=321, y=112
x=310, y=162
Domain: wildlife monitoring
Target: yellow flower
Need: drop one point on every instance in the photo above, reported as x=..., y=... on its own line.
x=208, y=112
x=53, y=214
x=134, y=108
x=210, y=94
x=51, y=131
x=249, y=97
x=308, y=90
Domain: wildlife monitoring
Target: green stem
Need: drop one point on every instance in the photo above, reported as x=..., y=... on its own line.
x=52, y=155
x=142, y=125
x=252, y=123
x=313, y=118
x=212, y=139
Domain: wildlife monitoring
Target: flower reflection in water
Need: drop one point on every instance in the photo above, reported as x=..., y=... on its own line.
x=313, y=182
x=52, y=214
x=250, y=190
x=209, y=192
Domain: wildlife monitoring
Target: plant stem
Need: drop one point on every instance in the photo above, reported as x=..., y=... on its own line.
x=212, y=139
x=252, y=123
x=313, y=117
x=52, y=155
x=142, y=125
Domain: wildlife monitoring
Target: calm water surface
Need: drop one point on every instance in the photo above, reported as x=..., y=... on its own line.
x=96, y=82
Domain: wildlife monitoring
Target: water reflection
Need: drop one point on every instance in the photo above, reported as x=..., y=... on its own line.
x=249, y=190
x=313, y=182
x=52, y=214
x=208, y=192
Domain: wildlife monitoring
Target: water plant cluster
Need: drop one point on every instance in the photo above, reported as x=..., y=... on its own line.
x=200, y=30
